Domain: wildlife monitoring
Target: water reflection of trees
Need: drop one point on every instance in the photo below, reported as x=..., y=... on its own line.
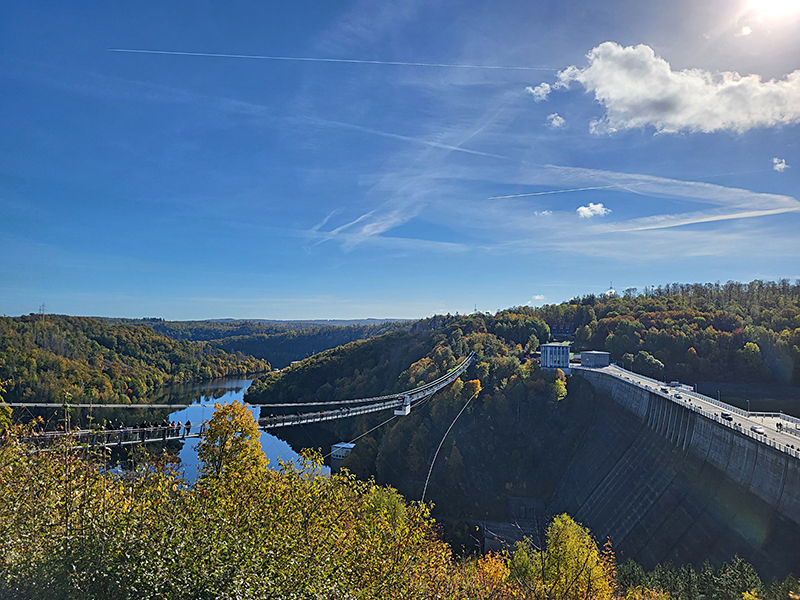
x=188, y=394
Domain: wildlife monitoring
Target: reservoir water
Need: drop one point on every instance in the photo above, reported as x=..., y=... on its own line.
x=202, y=397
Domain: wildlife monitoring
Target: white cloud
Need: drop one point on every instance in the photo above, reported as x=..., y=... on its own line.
x=639, y=89
x=534, y=298
x=592, y=210
x=555, y=121
x=540, y=92
x=779, y=164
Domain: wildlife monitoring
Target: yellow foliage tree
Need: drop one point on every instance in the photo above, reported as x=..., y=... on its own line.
x=569, y=567
x=471, y=388
x=231, y=443
x=5, y=411
x=643, y=593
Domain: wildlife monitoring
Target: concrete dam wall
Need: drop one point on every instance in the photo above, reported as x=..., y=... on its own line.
x=666, y=483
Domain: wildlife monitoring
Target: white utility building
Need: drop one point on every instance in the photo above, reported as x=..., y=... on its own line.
x=555, y=356
x=341, y=450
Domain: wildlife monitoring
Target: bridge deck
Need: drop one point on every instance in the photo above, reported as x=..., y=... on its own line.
x=131, y=436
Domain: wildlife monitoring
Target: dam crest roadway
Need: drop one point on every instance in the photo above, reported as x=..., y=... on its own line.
x=781, y=431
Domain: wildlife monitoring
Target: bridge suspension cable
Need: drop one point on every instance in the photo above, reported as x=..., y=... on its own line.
x=141, y=435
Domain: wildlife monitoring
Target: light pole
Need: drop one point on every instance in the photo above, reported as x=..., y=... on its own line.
x=748, y=407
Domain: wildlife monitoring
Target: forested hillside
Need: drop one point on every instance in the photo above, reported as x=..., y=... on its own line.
x=44, y=357
x=515, y=437
x=277, y=342
x=280, y=349
x=521, y=429
x=731, y=332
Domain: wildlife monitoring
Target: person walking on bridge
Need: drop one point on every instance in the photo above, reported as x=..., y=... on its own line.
x=187, y=428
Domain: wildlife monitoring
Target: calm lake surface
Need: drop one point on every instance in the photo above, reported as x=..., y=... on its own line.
x=202, y=397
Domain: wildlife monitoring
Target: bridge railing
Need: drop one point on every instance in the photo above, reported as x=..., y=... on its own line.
x=141, y=435
x=724, y=405
x=777, y=415
x=385, y=402
x=423, y=390
x=113, y=437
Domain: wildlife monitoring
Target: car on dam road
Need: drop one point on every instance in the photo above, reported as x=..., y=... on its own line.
x=759, y=430
x=727, y=416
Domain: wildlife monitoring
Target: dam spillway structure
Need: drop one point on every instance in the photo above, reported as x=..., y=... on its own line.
x=667, y=478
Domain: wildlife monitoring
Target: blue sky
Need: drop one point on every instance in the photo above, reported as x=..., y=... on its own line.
x=663, y=148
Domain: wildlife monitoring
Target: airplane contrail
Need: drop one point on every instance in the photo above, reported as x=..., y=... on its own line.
x=330, y=60
x=406, y=138
x=606, y=187
x=583, y=189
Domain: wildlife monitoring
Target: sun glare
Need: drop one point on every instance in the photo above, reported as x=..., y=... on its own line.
x=775, y=8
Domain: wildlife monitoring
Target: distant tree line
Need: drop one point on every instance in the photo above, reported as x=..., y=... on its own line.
x=731, y=332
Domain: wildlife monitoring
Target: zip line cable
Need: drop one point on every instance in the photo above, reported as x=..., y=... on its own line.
x=417, y=405
x=430, y=470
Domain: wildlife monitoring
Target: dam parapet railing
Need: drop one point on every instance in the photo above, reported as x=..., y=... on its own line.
x=625, y=376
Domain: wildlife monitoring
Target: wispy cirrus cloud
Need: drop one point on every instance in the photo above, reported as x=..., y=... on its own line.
x=397, y=136
x=730, y=203
x=694, y=212
x=513, y=225
x=108, y=87
x=417, y=178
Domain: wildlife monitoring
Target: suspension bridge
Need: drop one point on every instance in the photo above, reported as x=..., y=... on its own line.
x=328, y=410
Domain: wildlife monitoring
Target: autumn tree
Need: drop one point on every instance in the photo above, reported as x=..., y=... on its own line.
x=5, y=411
x=627, y=360
x=231, y=443
x=568, y=567
x=751, y=362
x=558, y=387
x=471, y=388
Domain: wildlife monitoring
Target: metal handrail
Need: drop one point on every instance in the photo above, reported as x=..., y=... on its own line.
x=795, y=452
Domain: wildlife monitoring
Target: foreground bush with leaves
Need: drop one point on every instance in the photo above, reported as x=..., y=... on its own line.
x=71, y=528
